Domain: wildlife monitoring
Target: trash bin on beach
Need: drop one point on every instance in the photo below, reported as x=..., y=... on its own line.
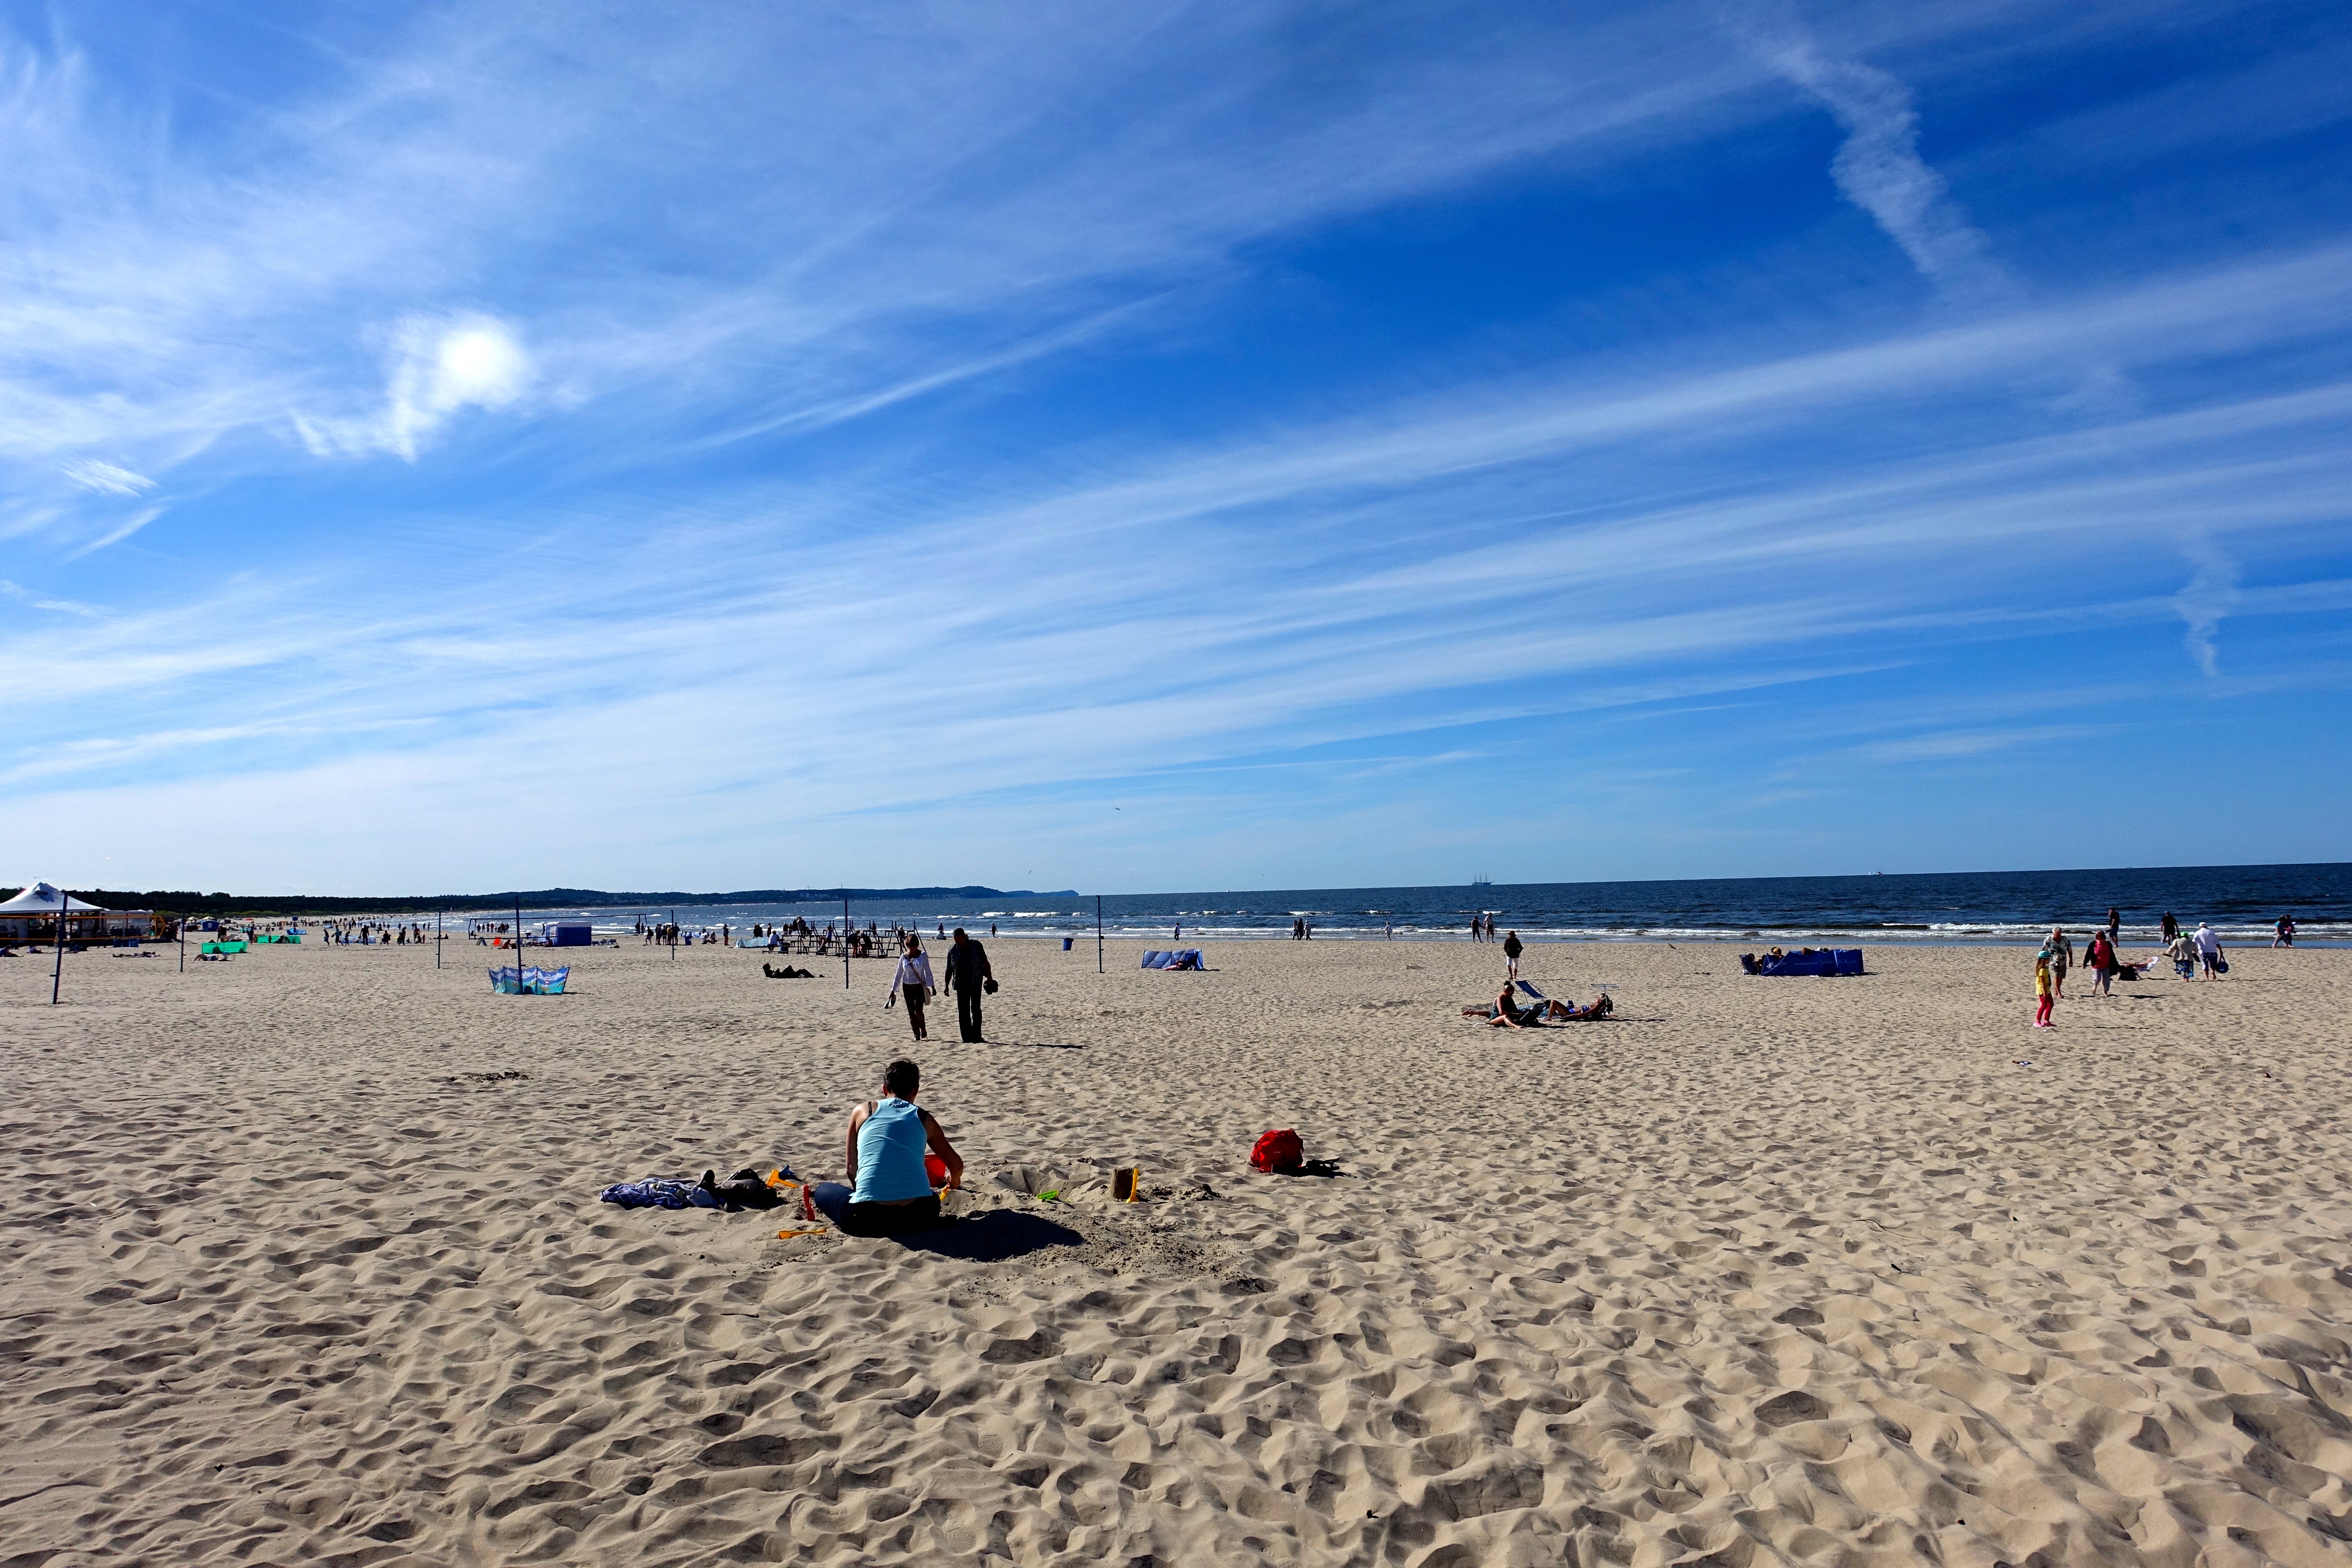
x=1065, y=944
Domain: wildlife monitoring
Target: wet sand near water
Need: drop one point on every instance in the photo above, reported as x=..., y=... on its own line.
x=293, y=1270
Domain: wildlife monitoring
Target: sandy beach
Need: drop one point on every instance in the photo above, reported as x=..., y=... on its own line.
x=1852, y=1271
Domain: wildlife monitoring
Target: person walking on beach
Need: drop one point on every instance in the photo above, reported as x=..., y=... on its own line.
x=2062, y=959
x=968, y=975
x=2286, y=937
x=2183, y=954
x=2115, y=925
x=912, y=980
x=2208, y=952
x=2041, y=997
x=2171, y=928
x=1512, y=948
x=2103, y=962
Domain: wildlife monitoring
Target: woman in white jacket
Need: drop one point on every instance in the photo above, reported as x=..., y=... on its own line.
x=913, y=982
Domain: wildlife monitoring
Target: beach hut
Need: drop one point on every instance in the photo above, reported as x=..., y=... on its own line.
x=33, y=915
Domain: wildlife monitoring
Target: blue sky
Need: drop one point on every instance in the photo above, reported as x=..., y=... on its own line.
x=1160, y=447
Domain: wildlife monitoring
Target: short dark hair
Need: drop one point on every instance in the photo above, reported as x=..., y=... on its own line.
x=959, y=933
x=903, y=1079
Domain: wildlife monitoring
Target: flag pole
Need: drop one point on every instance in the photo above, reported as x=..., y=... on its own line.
x=1098, y=958
x=57, y=977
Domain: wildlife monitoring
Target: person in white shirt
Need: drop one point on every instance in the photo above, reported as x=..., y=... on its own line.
x=912, y=980
x=2208, y=952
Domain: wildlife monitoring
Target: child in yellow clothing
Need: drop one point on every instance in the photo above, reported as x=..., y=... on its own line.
x=2042, y=989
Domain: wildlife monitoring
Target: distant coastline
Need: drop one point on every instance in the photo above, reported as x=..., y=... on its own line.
x=541, y=899
x=2241, y=901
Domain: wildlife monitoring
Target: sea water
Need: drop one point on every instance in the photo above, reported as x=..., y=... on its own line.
x=2240, y=902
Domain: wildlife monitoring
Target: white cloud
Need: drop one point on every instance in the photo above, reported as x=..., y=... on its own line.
x=107, y=479
x=25, y=595
x=1878, y=168
x=439, y=367
x=2211, y=593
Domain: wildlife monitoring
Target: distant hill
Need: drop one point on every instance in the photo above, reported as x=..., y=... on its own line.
x=533, y=899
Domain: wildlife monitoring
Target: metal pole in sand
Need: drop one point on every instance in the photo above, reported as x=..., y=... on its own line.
x=57, y=977
x=517, y=944
x=184, y=944
x=436, y=937
x=844, y=939
x=1098, y=968
x=673, y=936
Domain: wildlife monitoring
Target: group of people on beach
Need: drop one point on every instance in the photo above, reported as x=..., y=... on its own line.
x=2192, y=954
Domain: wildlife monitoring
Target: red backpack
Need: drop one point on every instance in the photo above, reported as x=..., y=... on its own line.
x=1279, y=1152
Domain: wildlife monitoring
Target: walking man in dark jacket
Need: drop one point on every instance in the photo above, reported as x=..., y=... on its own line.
x=968, y=975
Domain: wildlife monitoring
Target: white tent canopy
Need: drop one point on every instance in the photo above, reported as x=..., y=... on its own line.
x=36, y=909
x=41, y=899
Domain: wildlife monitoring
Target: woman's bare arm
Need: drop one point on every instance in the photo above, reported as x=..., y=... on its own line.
x=938, y=1139
x=849, y=1142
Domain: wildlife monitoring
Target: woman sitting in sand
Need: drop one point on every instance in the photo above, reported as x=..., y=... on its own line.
x=884, y=1149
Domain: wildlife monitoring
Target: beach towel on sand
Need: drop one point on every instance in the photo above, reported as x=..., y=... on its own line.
x=660, y=1193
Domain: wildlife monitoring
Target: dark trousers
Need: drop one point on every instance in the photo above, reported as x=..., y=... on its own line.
x=968, y=1014
x=832, y=1200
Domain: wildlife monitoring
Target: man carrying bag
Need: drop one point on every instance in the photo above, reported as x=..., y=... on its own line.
x=967, y=976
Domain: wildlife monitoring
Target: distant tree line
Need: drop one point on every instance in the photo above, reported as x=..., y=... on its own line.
x=192, y=903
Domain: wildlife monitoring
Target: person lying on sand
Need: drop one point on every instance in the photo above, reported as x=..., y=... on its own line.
x=1503, y=1013
x=883, y=1151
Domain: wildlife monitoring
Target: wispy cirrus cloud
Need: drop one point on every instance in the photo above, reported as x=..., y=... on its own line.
x=881, y=414
x=1878, y=166
x=2210, y=592
x=107, y=479
x=438, y=368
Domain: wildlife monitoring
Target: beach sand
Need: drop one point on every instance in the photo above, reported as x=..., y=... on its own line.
x=1859, y=1270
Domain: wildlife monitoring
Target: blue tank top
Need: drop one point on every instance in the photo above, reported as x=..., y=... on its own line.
x=890, y=1145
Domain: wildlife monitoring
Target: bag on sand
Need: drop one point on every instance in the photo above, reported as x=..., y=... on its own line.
x=1279, y=1152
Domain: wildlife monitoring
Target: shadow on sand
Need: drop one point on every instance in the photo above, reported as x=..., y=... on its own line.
x=991, y=1237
